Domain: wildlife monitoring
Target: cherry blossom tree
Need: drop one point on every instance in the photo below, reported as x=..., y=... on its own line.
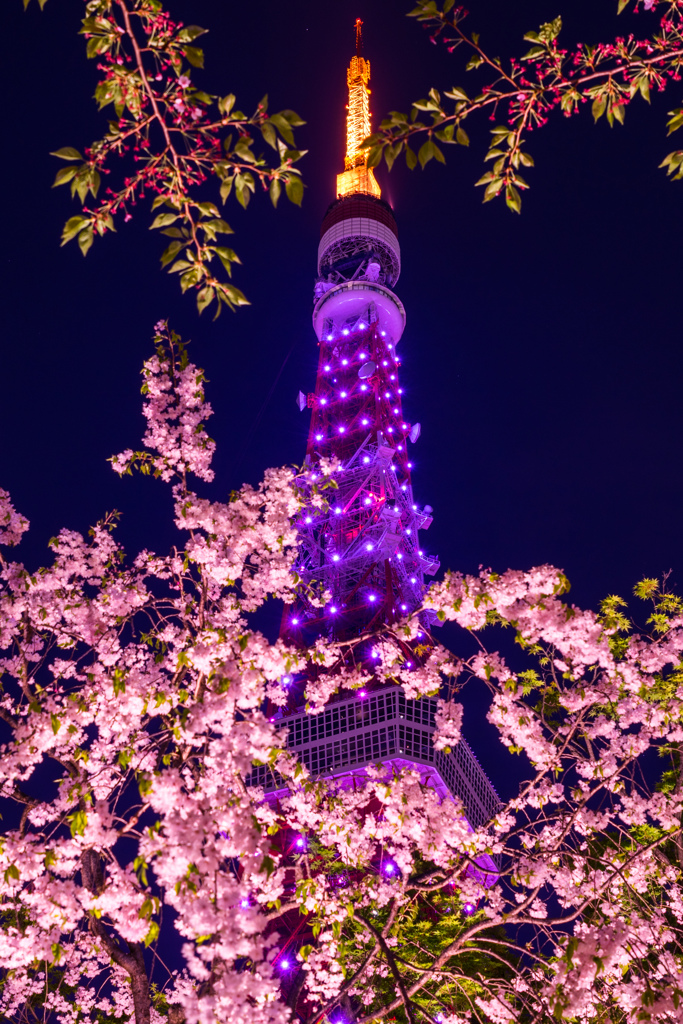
x=521, y=94
x=144, y=876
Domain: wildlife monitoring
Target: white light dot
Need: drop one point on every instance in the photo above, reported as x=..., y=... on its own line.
x=366, y=458
x=333, y=610
x=335, y=558
x=323, y=401
x=342, y=430
x=345, y=331
x=337, y=511
x=327, y=368
x=365, y=422
x=373, y=597
x=343, y=394
x=368, y=547
x=318, y=437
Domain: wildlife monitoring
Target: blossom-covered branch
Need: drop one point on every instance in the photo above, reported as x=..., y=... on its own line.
x=522, y=93
x=165, y=140
x=165, y=855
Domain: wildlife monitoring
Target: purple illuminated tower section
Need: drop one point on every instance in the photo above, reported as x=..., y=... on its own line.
x=365, y=550
x=360, y=558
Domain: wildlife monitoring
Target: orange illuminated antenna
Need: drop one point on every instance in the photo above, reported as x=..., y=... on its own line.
x=357, y=177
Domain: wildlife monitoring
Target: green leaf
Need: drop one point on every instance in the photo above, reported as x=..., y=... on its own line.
x=411, y=158
x=190, y=32
x=457, y=93
x=85, y=240
x=294, y=188
x=599, y=107
x=274, y=190
x=78, y=822
x=162, y=220
x=67, y=153
x=513, y=199
x=462, y=137
x=194, y=56
x=170, y=253
x=12, y=872
x=622, y=4
x=269, y=134
x=72, y=227
x=284, y=127
x=204, y=298
x=374, y=156
x=426, y=152
x=66, y=174
x=226, y=104
x=56, y=724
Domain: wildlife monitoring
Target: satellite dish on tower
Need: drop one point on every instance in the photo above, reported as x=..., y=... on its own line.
x=301, y=401
x=367, y=370
x=415, y=432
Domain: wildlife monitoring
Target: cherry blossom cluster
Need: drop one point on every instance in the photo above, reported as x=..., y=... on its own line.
x=147, y=870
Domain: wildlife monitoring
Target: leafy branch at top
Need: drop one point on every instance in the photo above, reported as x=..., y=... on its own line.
x=172, y=137
x=521, y=93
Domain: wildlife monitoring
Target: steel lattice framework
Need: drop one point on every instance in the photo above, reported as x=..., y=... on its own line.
x=360, y=558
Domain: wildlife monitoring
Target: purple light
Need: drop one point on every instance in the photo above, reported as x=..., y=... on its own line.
x=413, y=580
x=403, y=487
x=362, y=693
x=295, y=622
x=329, y=337
x=342, y=430
x=328, y=368
x=368, y=547
x=308, y=519
x=409, y=664
x=400, y=391
x=395, y=412
x=323, y=401
x=366, y=458
x=364, y=387
x=335, y=558
x=245, y=903
x=404, y=426
x=384, y=334
x=387, y=394
x=284, y=964
x=390, y=430
x=389, y=869
x=343, y=394
x=365, y=422
x=399, y=556
x=367, y=500
x=469, y=908
x=404, y=607
x=333, y=610
x=299, y=841
x=345, y=331
x=318, y=437
x=337, y=511
x=410, y=465
x=345, y=362
x=373, y=597
x=385, y=362
x=362, y=326
x=362, y=355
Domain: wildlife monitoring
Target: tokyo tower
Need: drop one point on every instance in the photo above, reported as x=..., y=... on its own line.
x=361, y=548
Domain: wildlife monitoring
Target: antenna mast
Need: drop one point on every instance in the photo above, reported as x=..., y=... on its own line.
x=359, y=37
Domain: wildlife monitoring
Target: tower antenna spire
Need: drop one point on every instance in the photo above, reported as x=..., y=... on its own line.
x=359, y=36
